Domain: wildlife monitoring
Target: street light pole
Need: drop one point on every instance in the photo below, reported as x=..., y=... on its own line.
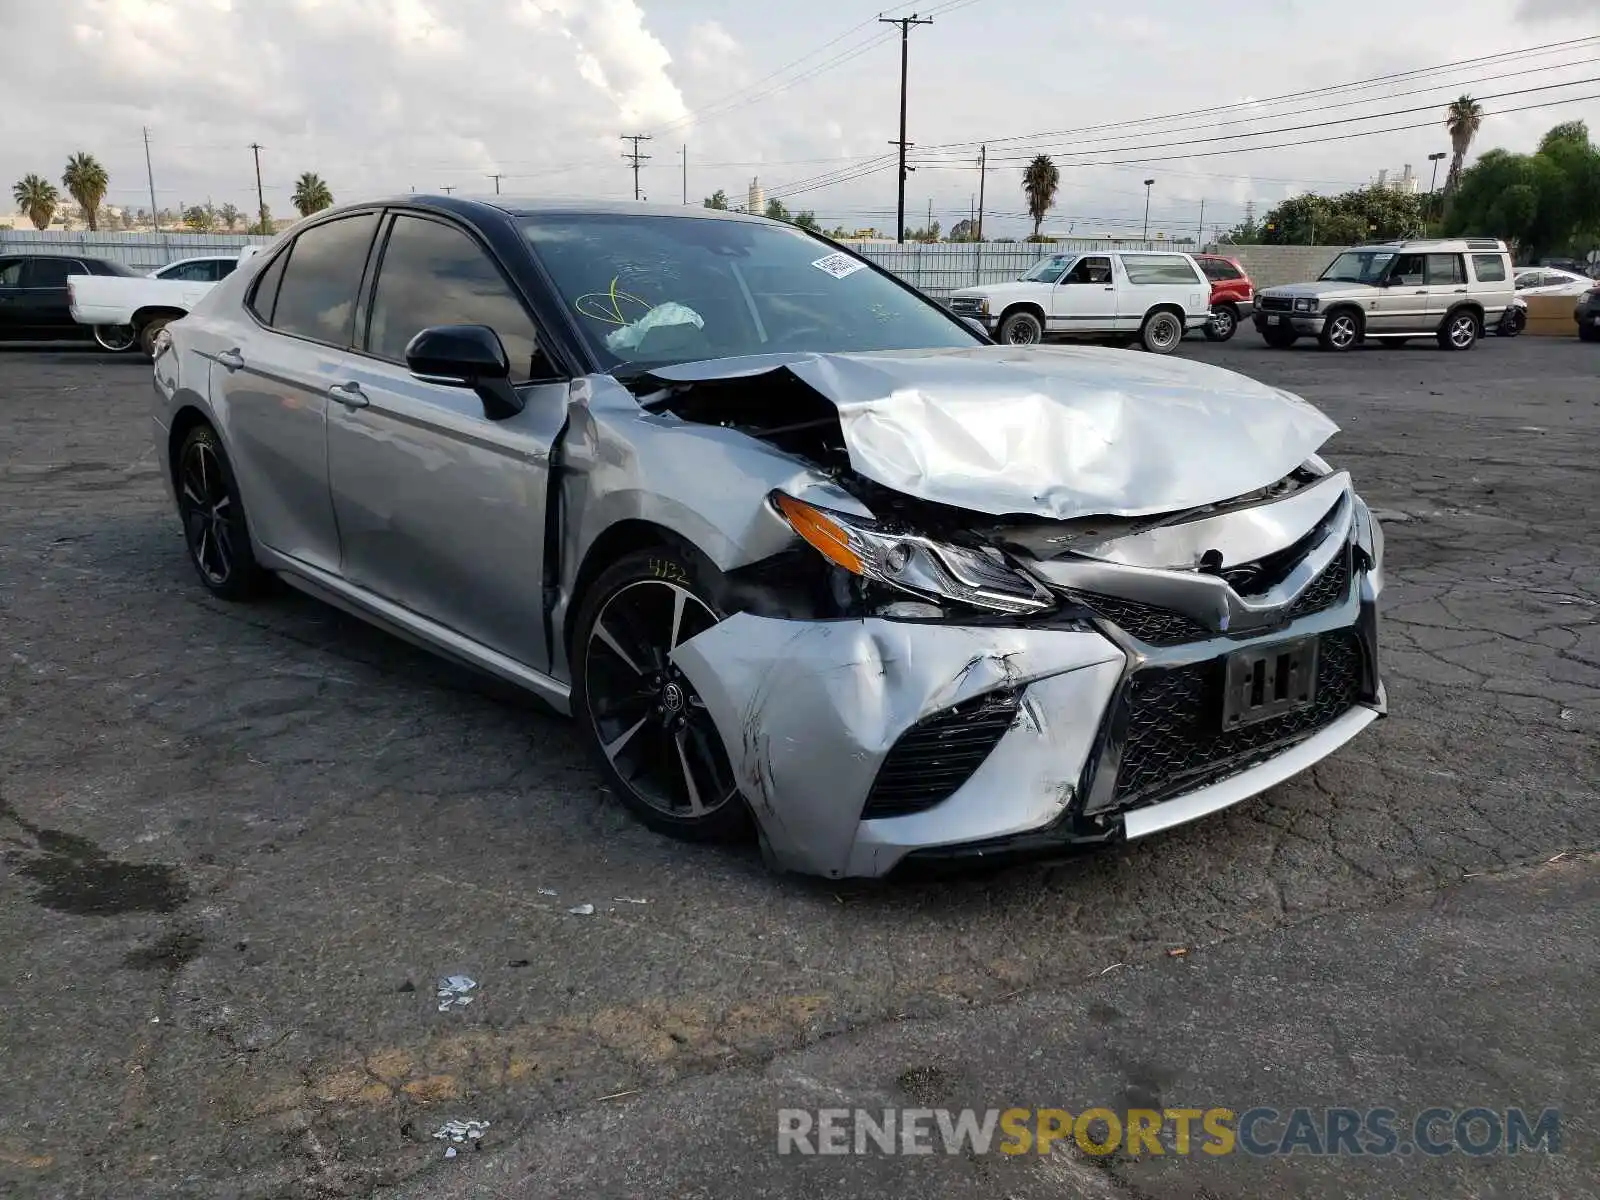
x=1147, y=186
x=1434, y=182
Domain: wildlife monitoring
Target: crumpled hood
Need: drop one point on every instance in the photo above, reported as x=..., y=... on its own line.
x=1049, y=431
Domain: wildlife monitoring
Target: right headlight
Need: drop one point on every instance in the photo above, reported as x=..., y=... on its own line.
x=911, y=563
x=1306, y=304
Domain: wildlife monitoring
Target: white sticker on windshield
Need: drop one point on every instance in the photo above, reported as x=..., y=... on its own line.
x=838, y=265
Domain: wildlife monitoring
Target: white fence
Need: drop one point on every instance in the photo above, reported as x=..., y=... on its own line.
x=140, y=251
x=937, y=268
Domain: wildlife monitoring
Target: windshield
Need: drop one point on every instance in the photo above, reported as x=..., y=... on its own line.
x=1047, y=271
x=661, y=289
x=1359, y=266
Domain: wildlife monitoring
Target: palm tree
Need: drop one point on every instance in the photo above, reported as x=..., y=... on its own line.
x=311, y=194
x=1039, y=183
x=229, y=215
x=86, y=179
x=37, y=197
x=1462, y=118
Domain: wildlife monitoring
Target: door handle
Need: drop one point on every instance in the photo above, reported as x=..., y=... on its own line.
x=231, y=359
x=1420, y=292
x=1461, y=291
x=349, y=394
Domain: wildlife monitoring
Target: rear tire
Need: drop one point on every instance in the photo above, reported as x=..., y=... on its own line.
x=147, y=334
x=651, y=736
x=1021, y=328
x=1279, y=337
x=1223, y=325
x=1589, y=333
x=214, y=526
x=1460, y=330
x=1161, y=332
x=115, y=338
x=1512, y=322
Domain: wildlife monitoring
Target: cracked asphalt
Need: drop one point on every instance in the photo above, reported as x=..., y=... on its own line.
x=241, y=843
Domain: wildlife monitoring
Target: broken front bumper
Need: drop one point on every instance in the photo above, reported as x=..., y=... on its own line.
x=860, y=743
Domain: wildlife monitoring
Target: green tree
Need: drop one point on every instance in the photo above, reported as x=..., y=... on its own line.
x=964, y=230
x=311, y=194
x=776, y=210
x=264, y=223
x=717, y=200
x=86, y=180
x=1462, y=118
x=1362, y=215
x=37, y=197
x=1039, y=184
x=1542, y=203
x=807, y=220
x=229, y=215
x=198, y=219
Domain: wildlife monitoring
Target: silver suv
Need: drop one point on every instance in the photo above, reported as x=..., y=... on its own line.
x=1454, y=290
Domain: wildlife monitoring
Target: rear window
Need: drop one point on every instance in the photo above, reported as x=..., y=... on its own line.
x=1158, y=268
x=264, y=295
x=1219, y=271
x=1489, y=268
x=317, y=295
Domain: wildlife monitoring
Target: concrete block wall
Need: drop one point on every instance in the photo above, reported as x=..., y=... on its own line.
x=1270, y=266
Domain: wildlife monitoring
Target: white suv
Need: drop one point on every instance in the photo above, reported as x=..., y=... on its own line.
x=1156, y=295
x=1453, y=290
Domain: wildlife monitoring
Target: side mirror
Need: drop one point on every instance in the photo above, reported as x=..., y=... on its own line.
x=976, y=326
x=467, y=356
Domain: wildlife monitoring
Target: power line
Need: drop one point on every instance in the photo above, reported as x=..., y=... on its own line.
x=634, y=156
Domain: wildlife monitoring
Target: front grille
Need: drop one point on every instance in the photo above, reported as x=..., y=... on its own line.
x=1326, y=590
x=1275, y=303
x=1151, y=625
x=1174, y=739
x=938, y=754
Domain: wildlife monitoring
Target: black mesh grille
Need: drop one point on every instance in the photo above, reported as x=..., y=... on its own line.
x=1326, y=590
x=1175, y=741
x=1275, y=303
x=938, y=754
x=1151, y=625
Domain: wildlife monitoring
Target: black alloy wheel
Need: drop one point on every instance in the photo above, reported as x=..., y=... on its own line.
x=213, y=518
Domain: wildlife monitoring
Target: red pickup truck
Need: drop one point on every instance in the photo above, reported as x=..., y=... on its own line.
x=1231, y=293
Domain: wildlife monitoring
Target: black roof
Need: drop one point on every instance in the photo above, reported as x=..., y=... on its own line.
x=543, y=205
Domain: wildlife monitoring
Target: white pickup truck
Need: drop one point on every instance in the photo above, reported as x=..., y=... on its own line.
x=1154, y=295
x=133, y=311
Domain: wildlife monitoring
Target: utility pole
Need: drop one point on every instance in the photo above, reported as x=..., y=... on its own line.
x=905, y=24
x=686, y=174
x=1434, y=182
x=496, y=179
x=983, y=174
x=634, y=156
x=928, y=228
x=447, y=190
x=261, y=201
x=1147, y=185
x=1200, y=229
x=155, y=221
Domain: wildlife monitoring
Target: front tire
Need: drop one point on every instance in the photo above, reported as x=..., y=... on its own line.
x=1460, y=331
x=1223, y=325
x=1589, y=333
x=1341, y=331
x=1021, y=328
x=115, y=338
x=214, y=526
x=650, y=734
x=1279, y=337
x=1161, y=332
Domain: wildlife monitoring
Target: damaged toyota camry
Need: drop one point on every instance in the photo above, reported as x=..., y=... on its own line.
x=798, y=549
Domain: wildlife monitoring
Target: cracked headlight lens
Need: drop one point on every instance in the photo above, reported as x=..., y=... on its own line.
x=917, y=565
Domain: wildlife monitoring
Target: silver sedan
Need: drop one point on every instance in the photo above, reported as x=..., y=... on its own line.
x=801, y=552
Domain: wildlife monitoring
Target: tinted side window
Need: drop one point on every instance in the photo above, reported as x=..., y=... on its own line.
x=1158, y=268
x=195, y=272
x=51, y=272
x=1446, y=269
x=264, y=292
x=1408, y=270
x=434, y=274
x=317, y=295
x=1489, y=268
x=11, y=272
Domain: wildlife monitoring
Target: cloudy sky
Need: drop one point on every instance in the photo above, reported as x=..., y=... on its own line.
x=385, y=96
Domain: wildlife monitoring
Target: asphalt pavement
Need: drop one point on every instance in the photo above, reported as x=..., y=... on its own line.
x=243, y=843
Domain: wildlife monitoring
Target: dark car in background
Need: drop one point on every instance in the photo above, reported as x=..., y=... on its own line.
x=34, y=303
x=1587, y=314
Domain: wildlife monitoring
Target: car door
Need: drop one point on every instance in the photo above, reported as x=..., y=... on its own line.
x=11, y=296
x=1400, y=304
x=1085, y=298
x=440, y=509
x=45, y=307
x=270, y=388
x=1447, y=284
